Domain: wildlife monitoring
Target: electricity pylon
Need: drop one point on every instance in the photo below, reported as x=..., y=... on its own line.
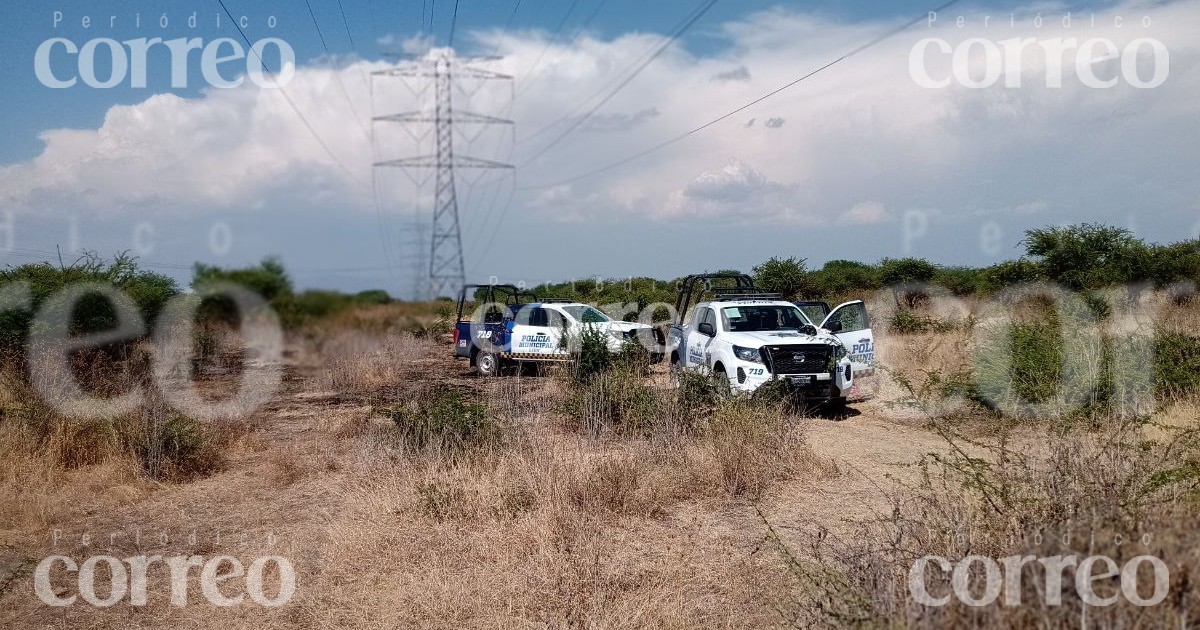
x=446, y=270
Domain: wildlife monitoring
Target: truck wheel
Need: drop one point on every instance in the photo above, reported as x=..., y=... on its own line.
x=487, y=364
x=721, y=381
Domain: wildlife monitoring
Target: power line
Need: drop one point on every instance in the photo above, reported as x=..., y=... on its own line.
x=453, y=23
x=575, y=39
x=656, y=54
x=687, y=22
x=307, y=125
x=333, y=69
x=347, y=24
x=682, y=136
x=550, y=41
x=666, y=41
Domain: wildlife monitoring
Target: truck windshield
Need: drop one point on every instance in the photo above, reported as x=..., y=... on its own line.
x=586, y=314
x=762, y=318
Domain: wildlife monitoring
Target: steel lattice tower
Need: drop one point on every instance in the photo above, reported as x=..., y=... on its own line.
x=446, y=269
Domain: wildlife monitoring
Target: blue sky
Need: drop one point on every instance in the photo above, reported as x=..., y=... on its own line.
x=31, y=107
x=858, y=162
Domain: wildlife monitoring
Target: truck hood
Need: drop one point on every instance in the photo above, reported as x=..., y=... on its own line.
x=758, y=339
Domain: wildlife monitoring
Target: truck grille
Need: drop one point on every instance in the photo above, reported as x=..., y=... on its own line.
x=800, y=359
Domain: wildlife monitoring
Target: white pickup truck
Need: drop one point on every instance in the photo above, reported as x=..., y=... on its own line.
x=500, y=326
x=745, y=338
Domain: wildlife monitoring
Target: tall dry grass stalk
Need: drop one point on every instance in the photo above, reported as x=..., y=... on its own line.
x=360, y=362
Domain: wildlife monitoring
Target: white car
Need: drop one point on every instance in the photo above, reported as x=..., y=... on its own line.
x=747, y=338
x=537, y=330
x=506, y=331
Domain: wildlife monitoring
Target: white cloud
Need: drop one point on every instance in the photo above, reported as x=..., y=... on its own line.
x=868, y=213
x=860, y=130
x=736, y=192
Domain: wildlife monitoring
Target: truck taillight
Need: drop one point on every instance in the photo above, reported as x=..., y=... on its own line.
x=456, y=335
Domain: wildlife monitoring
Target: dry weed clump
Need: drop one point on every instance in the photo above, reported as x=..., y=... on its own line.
x=49, y=460
x=1109, y=493
x=753, y=444
x=357, y=362
x=552, y=529
x=444, y=419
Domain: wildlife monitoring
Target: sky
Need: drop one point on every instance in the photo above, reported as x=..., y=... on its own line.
x=857, y=161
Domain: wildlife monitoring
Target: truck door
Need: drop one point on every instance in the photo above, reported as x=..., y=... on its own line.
x=697, y=354
x=538, y=331
x=855, y=333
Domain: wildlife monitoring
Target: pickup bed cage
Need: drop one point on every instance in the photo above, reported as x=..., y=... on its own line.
x=694, y=287
x=507, y=294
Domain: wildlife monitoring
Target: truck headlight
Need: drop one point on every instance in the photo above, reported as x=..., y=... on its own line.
x=839, y=352
x=747, y=354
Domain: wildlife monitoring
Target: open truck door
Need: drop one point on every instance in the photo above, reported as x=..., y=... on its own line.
x=850, y=323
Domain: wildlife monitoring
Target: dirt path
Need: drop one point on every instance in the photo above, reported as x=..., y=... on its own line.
x=872, y=453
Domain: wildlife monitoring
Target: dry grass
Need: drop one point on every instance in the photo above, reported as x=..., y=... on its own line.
x=360, y=362
x=556, y=529
x=636, y=508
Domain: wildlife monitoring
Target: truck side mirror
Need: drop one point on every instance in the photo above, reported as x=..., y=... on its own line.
x=706, y=328
x=834, y=326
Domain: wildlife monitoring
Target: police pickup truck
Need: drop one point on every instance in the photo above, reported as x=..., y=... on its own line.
x=502, y=326
x=745, y=337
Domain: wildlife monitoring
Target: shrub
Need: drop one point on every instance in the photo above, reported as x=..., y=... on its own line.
x=270, y=280
x=840, y=277
x=169, y=446
x=1075, y=495
x=904, y=275
x=1176, y=364
x=1022, y=368
x=1089, y=255
x=592, y=357
x=178, y=448
x=785, y=276
x=1010, y=273
x=617, y=401
x=906, y=322
x=960, y=281
x=149, y=292
x=753, y=444
x=444, y=419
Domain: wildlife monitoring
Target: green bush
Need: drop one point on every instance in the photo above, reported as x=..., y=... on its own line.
x=907, y=322
x=1010, y=273
x=445, y=419
x=1037, y=373
x=270, y=280
x=786, y=276
x=841, y=277
x=149, y=292
x=905, y=276
x=616, y=401
x=1088, y=256
x=179, y=448
x=960, y=281
x=1176, y=364
x=592, y=357
x=1021, y=368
